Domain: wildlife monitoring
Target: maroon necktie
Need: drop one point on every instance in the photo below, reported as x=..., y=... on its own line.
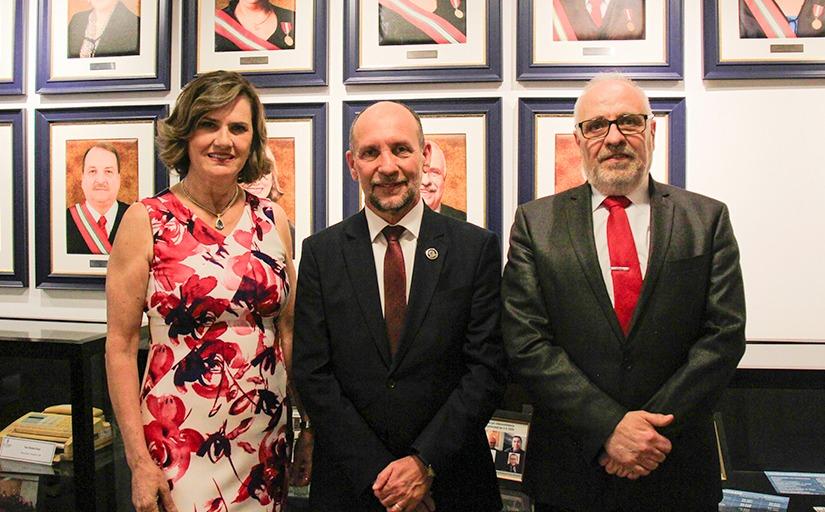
x=624, y=260
x=395, y=286
x=101, y=221
x=596, y=12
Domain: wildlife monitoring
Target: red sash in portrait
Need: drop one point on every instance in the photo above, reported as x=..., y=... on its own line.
x=96, y=238
x=437, y=28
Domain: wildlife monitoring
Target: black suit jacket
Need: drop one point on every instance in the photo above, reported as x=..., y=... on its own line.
x=455, y=213
x=74, y=240
x=566, y=346
x=434, y=397
x=121, y=36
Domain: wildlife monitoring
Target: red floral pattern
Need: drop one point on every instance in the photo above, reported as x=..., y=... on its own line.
x=214, y=393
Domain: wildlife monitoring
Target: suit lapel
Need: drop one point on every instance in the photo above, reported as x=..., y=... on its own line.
x=580, y=226
x=426, y=272
x=661, y=227
x=360, y=264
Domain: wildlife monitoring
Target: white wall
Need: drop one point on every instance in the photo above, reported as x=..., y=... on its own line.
x=753, y=144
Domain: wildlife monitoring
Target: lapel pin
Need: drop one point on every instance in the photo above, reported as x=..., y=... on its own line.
x=431, y=253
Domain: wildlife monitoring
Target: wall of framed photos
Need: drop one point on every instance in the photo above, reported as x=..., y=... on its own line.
x=754, y=143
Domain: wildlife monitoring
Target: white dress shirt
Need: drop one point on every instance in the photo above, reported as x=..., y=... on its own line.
x=408, y=241
x=111, y=215
x=638, y=214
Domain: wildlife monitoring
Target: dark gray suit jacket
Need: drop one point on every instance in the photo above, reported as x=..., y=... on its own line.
x=566, y=346
x=438, y=392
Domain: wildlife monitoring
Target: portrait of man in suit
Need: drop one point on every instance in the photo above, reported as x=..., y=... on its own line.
x=421, y=22
x=433, y=184
x=91, y=224
x=397, y=355
x=512, y=458
x=624, y=318
x=598, y=20
x=759, y=19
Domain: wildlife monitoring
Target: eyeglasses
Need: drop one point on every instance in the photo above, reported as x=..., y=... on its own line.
x=628, y=124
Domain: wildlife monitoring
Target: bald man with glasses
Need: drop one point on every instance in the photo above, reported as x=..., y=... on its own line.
x=624, y=318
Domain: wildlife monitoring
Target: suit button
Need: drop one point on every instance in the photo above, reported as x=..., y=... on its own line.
x=391, y=384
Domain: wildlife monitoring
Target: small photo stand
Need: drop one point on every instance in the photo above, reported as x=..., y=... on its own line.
x=132, y=52
x=507, y=435
x=97, y=159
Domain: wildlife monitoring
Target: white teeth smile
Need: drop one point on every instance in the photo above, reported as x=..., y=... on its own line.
x=219, y=156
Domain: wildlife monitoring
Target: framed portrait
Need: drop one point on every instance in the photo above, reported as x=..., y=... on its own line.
x=297, y=135
x=507, y=435
x=462, y=180
x=764, y=39
x=98, y=162
x=111, y=45
x=14, y=260
x=405, y=41
x=550, y=161
x=280, y=43
x=11, y=47
x=569, y=40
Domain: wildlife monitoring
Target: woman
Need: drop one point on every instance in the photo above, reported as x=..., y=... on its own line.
x=248, y=25
x=212, y=267
x=108, y=29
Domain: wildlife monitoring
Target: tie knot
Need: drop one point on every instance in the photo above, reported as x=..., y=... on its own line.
x=101, y=222
x=616, y=201
x=393, y=233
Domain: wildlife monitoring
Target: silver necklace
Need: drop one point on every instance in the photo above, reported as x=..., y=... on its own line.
x=218, y=215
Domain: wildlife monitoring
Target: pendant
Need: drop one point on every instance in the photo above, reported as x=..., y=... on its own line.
x=219, y=224
x=458, y=13
x=816, y=24
x=288, y=40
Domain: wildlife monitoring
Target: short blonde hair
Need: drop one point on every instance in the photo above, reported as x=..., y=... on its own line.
x=198, y=98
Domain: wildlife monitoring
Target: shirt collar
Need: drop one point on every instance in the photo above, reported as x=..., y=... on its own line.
x=640, y=195
x=411, y=221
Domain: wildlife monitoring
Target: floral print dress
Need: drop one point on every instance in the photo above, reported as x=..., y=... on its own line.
x=213, y=398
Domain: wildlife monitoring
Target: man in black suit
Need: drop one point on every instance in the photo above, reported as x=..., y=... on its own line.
x=624, y=317
x=91, y=226
x=399, y=386
x=433, y=184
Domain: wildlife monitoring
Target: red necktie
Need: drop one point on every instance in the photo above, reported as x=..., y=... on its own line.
x=395, y=286
x=596, y=12
x=624, y=260
x=101, y=221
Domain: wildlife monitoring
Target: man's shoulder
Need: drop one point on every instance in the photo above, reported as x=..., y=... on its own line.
x=548, y=203
x=330, y=234
x=688, y=198
x=462, y=229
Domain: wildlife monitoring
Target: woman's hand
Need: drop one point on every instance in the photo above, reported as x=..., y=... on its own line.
x=301, y=473
x=150, y=490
